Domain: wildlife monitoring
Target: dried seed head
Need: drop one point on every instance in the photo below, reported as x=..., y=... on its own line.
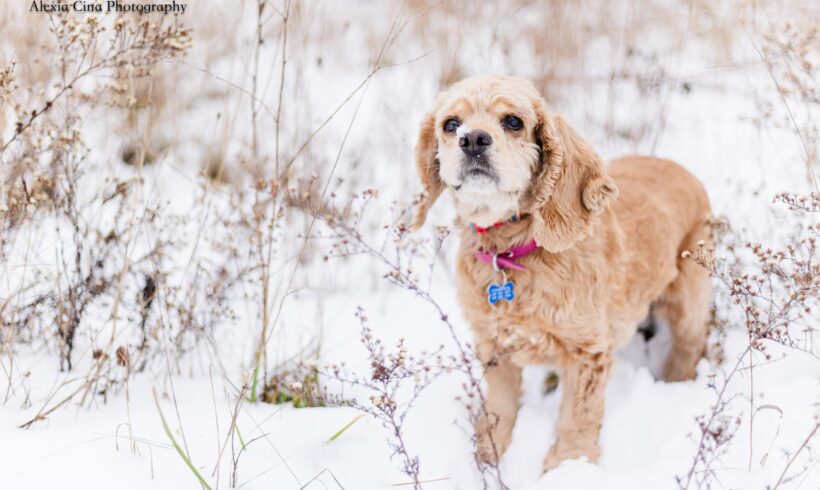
x=123, y=357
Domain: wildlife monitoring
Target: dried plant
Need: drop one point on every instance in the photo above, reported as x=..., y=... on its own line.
x=348, y=240
x=775, y=293
x=395, y=381
x=791, y=55
x=45, y=169
x=299, y=386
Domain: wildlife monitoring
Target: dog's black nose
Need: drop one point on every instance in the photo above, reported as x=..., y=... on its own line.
x=475, y=142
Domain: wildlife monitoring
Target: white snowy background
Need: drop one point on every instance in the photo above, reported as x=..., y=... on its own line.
x=687, y=81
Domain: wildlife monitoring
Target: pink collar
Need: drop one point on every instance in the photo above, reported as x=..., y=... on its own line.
x=507, y=258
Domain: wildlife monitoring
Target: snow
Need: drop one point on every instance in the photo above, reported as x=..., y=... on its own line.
x=649, y=435
x=646, y=436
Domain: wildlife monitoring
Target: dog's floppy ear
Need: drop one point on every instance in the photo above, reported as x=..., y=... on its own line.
x=427, y=165
x=571, y=187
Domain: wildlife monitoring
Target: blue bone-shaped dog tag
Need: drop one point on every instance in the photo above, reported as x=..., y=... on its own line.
x=497, y=292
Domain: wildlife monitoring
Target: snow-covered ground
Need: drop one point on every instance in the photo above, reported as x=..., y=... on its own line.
x=713, y=109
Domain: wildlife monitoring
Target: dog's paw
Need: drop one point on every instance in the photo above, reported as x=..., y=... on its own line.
x=492, y=441
x=486, y=454
x=557, y=455
x=552, y=461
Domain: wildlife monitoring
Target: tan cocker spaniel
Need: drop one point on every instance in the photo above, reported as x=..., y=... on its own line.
x=560, y=257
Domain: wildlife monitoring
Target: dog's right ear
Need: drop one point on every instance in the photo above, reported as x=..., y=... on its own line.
x=428, y=166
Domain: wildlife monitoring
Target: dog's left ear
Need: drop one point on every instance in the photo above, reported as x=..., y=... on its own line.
x=571, y=187
x=427, y=165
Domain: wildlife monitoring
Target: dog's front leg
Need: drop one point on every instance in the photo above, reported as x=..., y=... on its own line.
x=503, y=378
x=584, y=379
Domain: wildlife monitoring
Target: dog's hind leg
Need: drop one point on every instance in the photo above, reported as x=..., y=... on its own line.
x=685, y=307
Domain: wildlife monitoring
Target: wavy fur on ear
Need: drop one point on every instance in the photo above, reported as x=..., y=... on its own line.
x=427, y=166
x=572, y=187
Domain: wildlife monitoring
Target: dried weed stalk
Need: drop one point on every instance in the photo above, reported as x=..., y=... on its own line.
x=348, y=240
x=396, y=379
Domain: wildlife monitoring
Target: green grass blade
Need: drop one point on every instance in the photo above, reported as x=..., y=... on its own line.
x=254, y=381
x=241, y=440
x=178, y=448
x=343, y=429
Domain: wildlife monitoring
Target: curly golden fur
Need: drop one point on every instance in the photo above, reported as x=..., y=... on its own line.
x=610, y=243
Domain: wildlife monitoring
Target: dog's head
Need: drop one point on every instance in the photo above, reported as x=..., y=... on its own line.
x=491, y=141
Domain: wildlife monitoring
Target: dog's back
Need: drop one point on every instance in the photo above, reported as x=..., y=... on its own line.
x=657, y=197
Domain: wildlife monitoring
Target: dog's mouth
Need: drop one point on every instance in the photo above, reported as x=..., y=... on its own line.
x=477, y=169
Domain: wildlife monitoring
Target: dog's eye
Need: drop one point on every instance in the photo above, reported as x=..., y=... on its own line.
x=513, y=123
x=451, y=125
